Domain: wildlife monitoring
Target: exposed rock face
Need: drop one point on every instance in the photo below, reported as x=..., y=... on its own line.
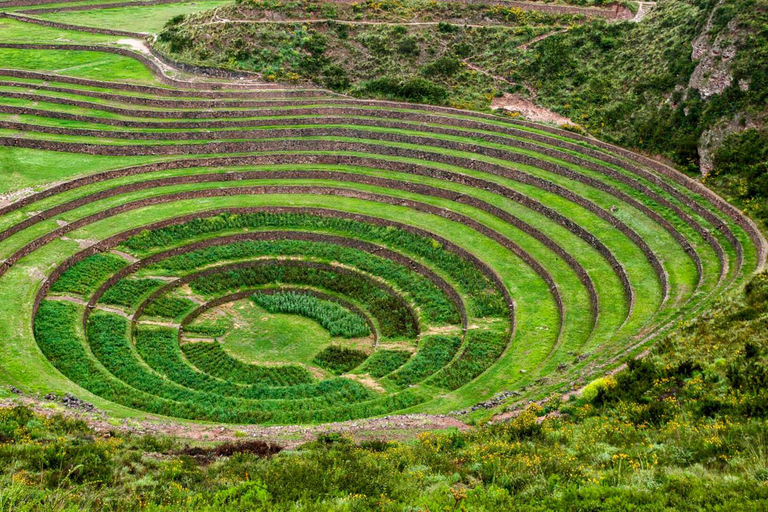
x=715, y=51
x=713, y=72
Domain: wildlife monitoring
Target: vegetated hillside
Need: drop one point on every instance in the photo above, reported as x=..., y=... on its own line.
x=678, y=83
x=682, y=429
x=689, y=76
x=380, y=49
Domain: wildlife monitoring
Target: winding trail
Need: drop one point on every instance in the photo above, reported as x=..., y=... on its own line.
x=643, y=8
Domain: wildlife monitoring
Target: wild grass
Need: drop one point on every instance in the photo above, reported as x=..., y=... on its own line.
x=384, y=361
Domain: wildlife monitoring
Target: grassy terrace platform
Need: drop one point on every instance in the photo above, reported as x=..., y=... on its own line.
x=160, y=242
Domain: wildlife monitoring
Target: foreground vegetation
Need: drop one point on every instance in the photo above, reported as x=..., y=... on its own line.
x=683, y=428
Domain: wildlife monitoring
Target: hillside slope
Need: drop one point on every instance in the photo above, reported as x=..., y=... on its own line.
x=691, y=75
x=678, y=83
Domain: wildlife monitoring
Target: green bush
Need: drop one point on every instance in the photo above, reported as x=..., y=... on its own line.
x=204, y=327
x=384, y=361
x=591, y=390
x=339, y=360
x=130, y=382
x=211, y=358
x=170, y=307
x=393, y=315
x=447, y=65
x=417, y=90
x=741, y=166
x=129, y=292
x=481, y=350
x=84, y=277
x=434, y=352
x=485, y=299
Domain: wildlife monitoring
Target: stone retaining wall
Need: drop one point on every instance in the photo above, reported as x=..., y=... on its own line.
x=256, y=263
x=297, y=145
x=114, y=240
x=67, y=26
x=363, y=246
x=391, y=184
x=245, y=134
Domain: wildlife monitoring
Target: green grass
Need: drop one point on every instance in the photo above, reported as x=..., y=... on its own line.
x=24, y=168
x=680, y=429
x=262, y=337
x=147, y=18
x=468, y=370
x=334, y=317
x=211, y=358
x=79, y=64
x=12, y=31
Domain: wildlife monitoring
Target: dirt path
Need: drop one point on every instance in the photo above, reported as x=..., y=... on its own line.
x=486, y=73
x=173, y=73
x=67, y=298
x=394, y=428
x=643, y=8
x=536, y=39
x=219, y=21
x=116, y=311
x=158, y=323
x=128, y=257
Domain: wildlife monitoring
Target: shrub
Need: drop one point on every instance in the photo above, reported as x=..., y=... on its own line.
x=170, y=307
x=211, y=358
x=84, y=277
x=482, y=349
x=129, y=292
x=339, y=360
x=394, y=317
x=130, y=382
x=419, y=90
x=384, y=361
x=485, y=298
x=434, y=353
x=591, y=390
x=742, y=163
x=433, y=303
x=447, y=65
x=213, y=328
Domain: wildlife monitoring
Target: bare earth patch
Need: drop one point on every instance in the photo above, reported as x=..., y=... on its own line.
x=515, y=103
x=365, y=380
